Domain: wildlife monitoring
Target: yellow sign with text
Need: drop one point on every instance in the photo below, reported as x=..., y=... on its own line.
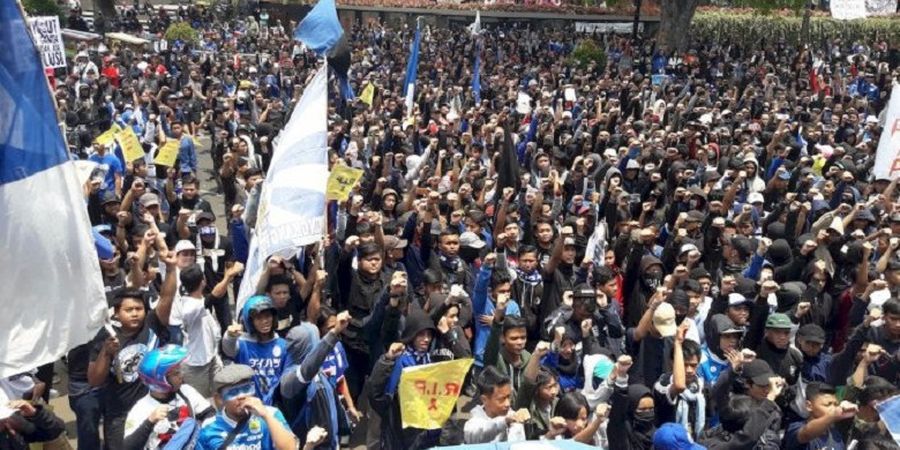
x=341, y=182
x=131, y=147
x=167, y=154
x=108, y=136
x=428, y=393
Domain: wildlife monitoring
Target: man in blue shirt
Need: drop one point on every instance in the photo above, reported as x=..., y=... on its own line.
x=819, y=431
x=187, y=154
x=109, y=170
x=244, y=422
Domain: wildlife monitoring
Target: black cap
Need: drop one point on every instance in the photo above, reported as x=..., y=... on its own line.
x=812, y=333
x=205, y=215
x=758, y=372
x=695, y=216
x=743, y=245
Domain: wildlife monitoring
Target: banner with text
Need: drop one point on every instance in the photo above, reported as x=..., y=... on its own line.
x=428, y=393
x=887, y=159
x=848, y=9
x=48, y=39
x=606, y=27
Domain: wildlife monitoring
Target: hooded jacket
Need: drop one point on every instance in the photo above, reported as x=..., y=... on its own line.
x=268, y=358
x=626, y=434
x=307, y=395
x=383, y=389
x=637, y=288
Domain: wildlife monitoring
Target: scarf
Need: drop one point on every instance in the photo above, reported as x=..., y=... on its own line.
x=693, y=395
x=450, y=265
x=409, y=358
x=210, y=254
x=530, y=282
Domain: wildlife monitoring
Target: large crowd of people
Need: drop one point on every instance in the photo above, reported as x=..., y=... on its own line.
x=651, y=251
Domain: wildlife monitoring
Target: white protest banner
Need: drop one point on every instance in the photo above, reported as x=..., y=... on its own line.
x=606, y=27
x=292, y=202
x=887, y=159
x=48, y=39
x=523, y=103
x=848, y=9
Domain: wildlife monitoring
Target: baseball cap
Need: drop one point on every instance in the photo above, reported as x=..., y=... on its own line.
x=632, y=164
x=779, y=321
x=109, y=197
x=735, y=299
x=695, y=216
x=812, y=333
x=688, y=248
x=184, y=245
x=471, y=240
x=673, y=436
x=758, y=372
x=755, y=197
x=724, y=325
x=205, y=215
x=149, y=199
x=743, y=245
x=231, y=375
x=784, y=175
x=664, y=320
x=393, y=242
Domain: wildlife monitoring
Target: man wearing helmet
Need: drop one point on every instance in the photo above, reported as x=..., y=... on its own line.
x=254, y=343
x=156, y=418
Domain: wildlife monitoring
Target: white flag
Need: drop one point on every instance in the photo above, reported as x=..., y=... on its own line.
x=475, y=27
x=887, y=159
x=292, y=203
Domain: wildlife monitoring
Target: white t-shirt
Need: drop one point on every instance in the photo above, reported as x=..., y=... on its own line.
x=165, y=429
x=201, y=330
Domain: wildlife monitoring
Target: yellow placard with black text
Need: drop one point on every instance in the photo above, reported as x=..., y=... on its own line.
x=167, y=154
x=341, y=182
x=131, y=147
x=429, y=392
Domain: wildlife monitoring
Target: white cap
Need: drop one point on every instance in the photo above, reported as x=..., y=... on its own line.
x=755, y=197
x=184, y=245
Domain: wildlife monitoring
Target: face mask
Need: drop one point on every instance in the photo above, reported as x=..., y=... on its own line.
x=644, y=420
x=680, y=318
x=652, y=280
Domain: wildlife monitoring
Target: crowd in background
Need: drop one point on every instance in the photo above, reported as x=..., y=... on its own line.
x=691, y=247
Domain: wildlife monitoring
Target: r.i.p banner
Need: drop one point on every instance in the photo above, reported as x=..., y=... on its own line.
x=887, y=159
x=429, y=392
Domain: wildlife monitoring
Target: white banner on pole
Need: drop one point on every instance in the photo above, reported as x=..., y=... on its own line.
x=606, y=27
x=887, y=159
x=292, y=203
x=848, y=9
x=48, y=39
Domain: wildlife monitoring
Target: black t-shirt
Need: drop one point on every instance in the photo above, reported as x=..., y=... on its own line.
x=123, y=388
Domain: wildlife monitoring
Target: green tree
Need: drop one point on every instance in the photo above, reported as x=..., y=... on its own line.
x=675, y=17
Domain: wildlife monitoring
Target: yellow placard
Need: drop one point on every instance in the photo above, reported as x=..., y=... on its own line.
x=341, y=182
x=108, y=136
x=428, y=393
x=131, y=147
x=168, y=153
x=368, y=94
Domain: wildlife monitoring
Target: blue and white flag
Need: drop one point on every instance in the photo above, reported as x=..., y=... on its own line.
x=53, y=288
x=412, y=68
x=320, y=30
x=475, y=27
x=476, y=74
x=292, y=203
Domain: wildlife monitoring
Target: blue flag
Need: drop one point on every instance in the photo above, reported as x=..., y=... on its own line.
x=320, y=30
x=412, y=68
x=45, y=223
x=476, y=75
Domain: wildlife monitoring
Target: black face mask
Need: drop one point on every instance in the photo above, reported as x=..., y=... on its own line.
x=652, y=279
x=468, y=254
x=644, y=420
x=680, y=318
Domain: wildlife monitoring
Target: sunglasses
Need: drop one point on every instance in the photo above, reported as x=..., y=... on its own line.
x=247, y=389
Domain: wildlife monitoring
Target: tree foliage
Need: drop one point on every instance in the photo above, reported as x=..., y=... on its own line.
x=586, y=52
x=181, y=31
x=41, y=7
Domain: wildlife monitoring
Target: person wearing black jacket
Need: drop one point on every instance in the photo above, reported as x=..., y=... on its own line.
x=28, y=424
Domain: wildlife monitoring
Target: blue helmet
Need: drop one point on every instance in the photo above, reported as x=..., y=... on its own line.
x=255, y=305
x=157, y=363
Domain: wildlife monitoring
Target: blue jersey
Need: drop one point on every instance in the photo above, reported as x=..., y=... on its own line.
x=268, y=360
x=255, y=434
x=107, y=167
x=711, y=366
x=335, y=364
